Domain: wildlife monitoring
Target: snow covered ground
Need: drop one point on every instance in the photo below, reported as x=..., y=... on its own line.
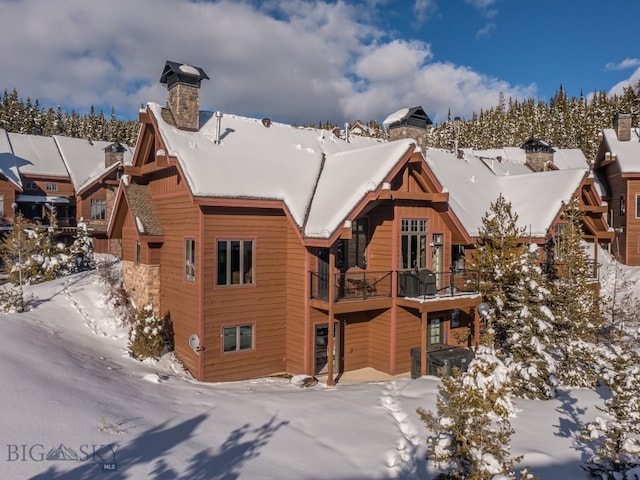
x=75, y=406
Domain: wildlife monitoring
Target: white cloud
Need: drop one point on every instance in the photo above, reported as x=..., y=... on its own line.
x=296, y=61
x=633, y=80
x=486, y=31
x=623, y=65
x=423, y=9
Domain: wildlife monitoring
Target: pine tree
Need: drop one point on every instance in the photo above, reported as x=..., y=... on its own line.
x=575, y=304
x=512, y=282
x=81, y=250
x=616, y=454
x=471, y=430
x=16, y=248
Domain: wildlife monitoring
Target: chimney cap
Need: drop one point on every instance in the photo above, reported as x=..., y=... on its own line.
x=115, y=147
x=174, y=73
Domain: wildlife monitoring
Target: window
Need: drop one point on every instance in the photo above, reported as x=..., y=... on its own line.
x=623, y=205
x=1, y=205
x=237, y=339
x=352, y=253
x=189, y=259
x=637, y=206
x=137, y=253
x=435, y=331
x=52, y=187
x=235, y=262
x=560, y=231
x=98, y=209
x=30, y=186
x=413, y=244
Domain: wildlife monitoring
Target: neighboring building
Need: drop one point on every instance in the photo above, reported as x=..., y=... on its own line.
x=617, y=166
x=280, y=249
x=76, y=177
x=538, y=197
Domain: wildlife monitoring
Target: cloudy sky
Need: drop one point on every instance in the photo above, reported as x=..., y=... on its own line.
x=302, y=61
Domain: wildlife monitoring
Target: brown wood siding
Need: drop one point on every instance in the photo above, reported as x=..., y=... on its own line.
x=64, y=186
x=180, y=298
x=617, y=189
x=633, y=223
x=296, y=294
x=101, y=245
x=168, y=180
x=263, y=304
x=408, y=336
x=379, y=338
x=379, y=250
x=356, y=341
x=8, y=193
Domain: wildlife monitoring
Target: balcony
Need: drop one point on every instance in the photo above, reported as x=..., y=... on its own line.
x=362, y=285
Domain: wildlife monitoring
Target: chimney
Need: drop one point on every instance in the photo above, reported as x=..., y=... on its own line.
x=113, y=153
x=622, y=126
x=538, y=154
x=183, y=83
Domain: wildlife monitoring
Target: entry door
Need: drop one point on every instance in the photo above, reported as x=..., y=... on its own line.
x=434, y=331
x=321, y=348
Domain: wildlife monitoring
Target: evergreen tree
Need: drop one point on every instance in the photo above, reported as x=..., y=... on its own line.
x=616, y=454
x=16, y=249
x=512, y=282
x=577, y=319
x=471, y=430
x=47, y=262
x=81, y=250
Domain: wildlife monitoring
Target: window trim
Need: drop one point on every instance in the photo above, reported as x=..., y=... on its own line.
x=189, y=257
x=52, y=187
x=242, y=278
x=30, y=186
x=637, y=205
x=237, y=328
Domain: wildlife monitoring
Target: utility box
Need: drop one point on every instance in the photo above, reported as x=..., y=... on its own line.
x=441, y=360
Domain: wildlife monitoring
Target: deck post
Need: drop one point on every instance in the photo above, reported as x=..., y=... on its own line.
x=423, y=344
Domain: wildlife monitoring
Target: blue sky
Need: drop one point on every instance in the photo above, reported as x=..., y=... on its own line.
x=301, y=61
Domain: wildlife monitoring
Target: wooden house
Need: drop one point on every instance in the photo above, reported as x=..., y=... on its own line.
x=617, y=166
x=77, y=177
x=539, y=190
x=281, y=249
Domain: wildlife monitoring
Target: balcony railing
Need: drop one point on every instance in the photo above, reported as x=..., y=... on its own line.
x=365, y=284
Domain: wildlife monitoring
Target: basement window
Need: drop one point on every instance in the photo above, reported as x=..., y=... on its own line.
x=237, y=338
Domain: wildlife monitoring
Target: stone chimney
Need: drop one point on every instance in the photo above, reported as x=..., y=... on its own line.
x=622, y=126
x=183, y=83
x=113, y=153
x=538, y=154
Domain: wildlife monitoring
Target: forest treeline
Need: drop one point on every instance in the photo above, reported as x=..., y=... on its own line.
x=564, y=122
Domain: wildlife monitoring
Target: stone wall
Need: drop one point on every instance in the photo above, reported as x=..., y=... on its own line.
x=418, y=134
x=142, y=283
x=538, y=161
x=622, y=126
x=184, y=103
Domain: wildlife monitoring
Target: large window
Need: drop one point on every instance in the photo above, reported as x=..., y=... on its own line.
x=413, y=244
x=352, y=253
x=189, y=259
x=98, y=209
x=235, y=262
x=237, y=338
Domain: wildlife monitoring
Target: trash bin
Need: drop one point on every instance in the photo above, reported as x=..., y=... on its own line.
x=427, y=281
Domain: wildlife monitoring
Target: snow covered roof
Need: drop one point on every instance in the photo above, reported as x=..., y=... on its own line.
x=535, y=197
x=84, y=159
x=514, y=159
x=36, y=155
x=8, y=166
x=318, y=176
x=627, y=152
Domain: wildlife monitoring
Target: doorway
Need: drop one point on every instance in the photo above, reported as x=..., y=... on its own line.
x=321, y=353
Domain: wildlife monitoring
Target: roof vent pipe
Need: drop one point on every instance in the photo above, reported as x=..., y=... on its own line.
x=218, y=116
